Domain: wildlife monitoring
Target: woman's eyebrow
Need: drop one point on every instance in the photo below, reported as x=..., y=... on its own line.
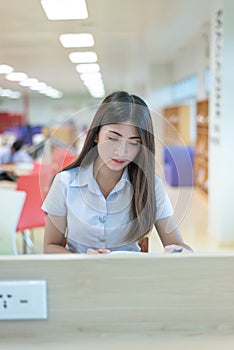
x=118, y=134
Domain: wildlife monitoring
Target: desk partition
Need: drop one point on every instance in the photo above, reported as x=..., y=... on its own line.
x=128, y=300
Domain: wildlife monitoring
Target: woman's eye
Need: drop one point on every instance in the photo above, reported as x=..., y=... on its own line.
x=134, y=143
x=113, y=139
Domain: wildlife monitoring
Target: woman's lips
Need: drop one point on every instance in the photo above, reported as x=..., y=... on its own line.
x=118, y=161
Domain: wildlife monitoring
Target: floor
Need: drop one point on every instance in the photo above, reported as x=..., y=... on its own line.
x=191, y=212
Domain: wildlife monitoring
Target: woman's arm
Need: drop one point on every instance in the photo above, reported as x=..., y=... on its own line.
x=170, y=235
x=55, y=229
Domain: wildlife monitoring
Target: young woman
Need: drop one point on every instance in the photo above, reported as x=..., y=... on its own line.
x=110, y=197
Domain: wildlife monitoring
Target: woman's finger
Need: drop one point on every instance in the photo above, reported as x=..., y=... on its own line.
x=173, y=248
x=92, y=251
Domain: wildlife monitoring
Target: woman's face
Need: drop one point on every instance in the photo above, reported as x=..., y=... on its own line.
x=118, y=145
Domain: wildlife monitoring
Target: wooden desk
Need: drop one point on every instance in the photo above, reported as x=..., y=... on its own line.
x=8, y=184
x=162, y=340
x=18, y=169
x=126, y=302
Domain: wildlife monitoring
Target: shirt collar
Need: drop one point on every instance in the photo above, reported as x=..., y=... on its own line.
x=124, y=180
x=85, y=178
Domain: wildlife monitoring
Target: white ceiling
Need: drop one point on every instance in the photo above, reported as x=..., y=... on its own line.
x=130, y=37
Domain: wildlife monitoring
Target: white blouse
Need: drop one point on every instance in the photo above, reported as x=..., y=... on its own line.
x=94, y=221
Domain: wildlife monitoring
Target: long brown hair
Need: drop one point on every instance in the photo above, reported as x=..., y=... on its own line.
x=120, y=107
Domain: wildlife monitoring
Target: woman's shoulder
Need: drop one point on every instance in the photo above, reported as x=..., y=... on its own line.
x=158, y=179
x=77, y=176
x=67, y=176
x=159, y=183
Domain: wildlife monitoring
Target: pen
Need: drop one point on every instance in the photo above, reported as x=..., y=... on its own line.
x=177, y=250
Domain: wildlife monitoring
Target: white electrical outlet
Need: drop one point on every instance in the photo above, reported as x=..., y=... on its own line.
x=23, y=300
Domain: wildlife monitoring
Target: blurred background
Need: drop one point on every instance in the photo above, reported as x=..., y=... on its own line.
x=58, y=63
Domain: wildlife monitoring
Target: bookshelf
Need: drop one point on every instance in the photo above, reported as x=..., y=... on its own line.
x=177, y=125
x=201, y=149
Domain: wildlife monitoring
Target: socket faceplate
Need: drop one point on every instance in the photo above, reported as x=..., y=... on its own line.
x=23, y=299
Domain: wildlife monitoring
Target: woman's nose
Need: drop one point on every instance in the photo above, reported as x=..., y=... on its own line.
x=122, y=148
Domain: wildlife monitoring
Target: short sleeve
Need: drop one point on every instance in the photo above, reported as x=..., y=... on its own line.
x=163, y=204
x=55, y=201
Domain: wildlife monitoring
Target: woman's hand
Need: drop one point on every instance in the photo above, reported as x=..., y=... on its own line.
x=170, y=236
x=174, y=248
x=98, y=251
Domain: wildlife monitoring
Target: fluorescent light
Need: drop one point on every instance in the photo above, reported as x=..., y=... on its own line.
x=88, y=68
x=28, y=82
x=95, y=87
x=77, y=40
x=9, y=93
x=90, y=76
x=24, y=81
x=53, y=93
x=16, y=76
x=15, y=95
x=38, y=86
x=56, y=94
x=5, y=92
x=5, y=69
x=65, y=9
x=98, y=94
x=92, y=85
x=93, y=82
x=83, y=57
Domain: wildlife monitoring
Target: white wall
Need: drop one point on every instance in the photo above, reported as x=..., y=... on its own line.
x=43, y=110
x=11, y=105
x=193, y=60
x=221, y=165
x=159, y=95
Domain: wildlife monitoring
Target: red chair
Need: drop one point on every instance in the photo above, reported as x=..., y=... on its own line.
x=61, y=157
x=69, y=158
x=46, y=173
x=32, y=216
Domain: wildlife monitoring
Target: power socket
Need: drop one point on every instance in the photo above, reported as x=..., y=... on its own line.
x=23, y=299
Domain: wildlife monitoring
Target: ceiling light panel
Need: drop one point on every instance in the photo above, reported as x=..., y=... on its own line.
x=16, y=76
x=90, y=76
x=28, y=82
x=77, y=40
x=88, y=68
x=5, y=69
x=9, y=93
x=83, y=57
x=65, y=9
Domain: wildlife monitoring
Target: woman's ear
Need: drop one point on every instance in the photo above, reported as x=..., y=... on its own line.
x=96, y=139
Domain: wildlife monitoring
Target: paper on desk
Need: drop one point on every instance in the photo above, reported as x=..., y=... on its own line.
x=125, y=252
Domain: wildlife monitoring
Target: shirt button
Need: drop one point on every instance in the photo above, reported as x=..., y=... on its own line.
x=101, y=238
x=102, y=219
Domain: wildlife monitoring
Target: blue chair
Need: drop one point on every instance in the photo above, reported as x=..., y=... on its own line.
x=178, y=165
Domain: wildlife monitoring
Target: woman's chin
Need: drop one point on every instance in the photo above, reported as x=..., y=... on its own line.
x=116, y=166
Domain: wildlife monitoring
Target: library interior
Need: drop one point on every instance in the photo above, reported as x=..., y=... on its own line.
x=57, y=65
